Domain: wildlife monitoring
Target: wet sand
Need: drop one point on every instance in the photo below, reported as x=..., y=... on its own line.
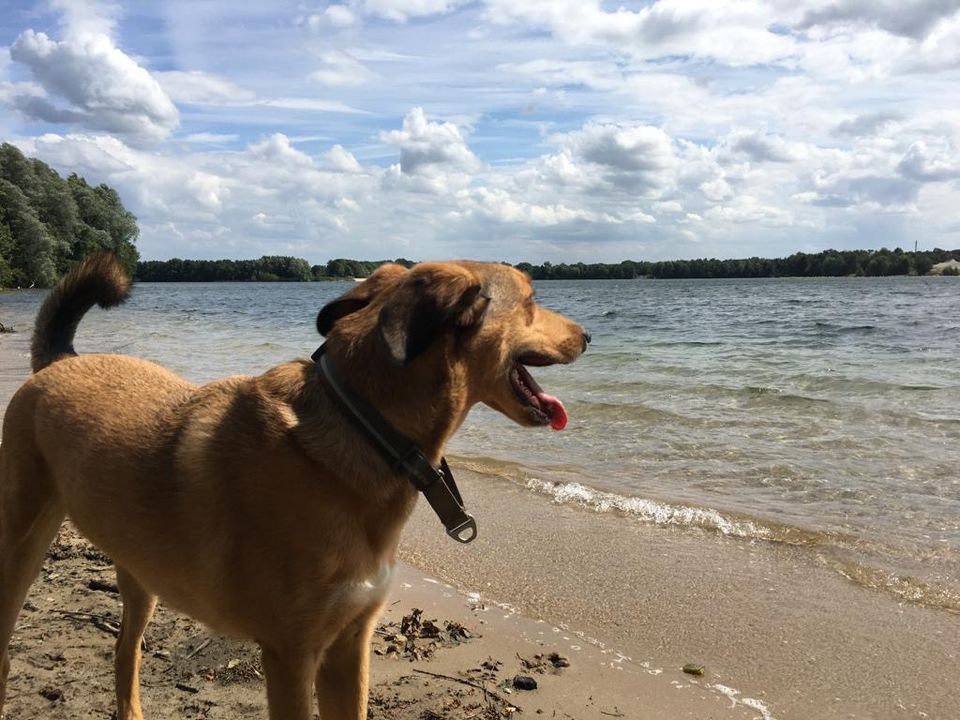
x=779, y=634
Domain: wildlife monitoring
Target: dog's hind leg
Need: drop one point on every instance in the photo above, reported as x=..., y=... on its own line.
x=138, y=606
x=30, y=515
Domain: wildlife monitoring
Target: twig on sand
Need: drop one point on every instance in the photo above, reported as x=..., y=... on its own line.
x=101, y=622
x=198, y=649
x=84, y=615
x=616, y=714
x=478, y=686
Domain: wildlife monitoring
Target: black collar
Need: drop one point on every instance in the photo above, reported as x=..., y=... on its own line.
x=404, y=456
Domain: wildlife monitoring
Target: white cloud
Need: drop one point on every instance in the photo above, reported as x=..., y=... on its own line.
x=921, y=164
x=761, y=147
x=736, y=34
x=211, y=138
x=340, y=69
x=342, y=160
x=940, y=50
x=277, y=148
x=747, y=209
x=104, y=89
x=312, y=104
x=430, y=147
x=403, y=10
x=202, y=88
x=866, y=124
x=504, y=207
x=638, y=159
x=87, y=17
x=914, y=19
x=337, y=16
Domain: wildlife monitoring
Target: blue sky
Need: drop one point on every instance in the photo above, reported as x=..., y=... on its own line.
x=535, y=130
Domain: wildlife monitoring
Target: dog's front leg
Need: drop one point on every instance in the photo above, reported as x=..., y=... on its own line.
x=342, y=677
x=290, y=673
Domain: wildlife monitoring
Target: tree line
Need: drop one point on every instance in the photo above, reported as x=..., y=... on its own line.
x=828, y=263
x=836, y=263
x=266, y=268
x=48, y=223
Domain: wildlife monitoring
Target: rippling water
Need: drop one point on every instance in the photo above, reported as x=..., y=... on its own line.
x=824, y=413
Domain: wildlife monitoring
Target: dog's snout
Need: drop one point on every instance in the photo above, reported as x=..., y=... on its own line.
x=587, y=337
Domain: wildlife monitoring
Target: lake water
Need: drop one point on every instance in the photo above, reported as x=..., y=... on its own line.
x=823, y=413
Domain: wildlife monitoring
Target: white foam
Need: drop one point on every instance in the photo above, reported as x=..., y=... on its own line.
x=648, y=510
x=751, y=703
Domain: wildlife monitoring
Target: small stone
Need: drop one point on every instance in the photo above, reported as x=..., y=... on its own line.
x=52, y=694
x=693, y=669
x=524, y=682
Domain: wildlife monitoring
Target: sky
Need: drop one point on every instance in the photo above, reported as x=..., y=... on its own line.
x=517, y=130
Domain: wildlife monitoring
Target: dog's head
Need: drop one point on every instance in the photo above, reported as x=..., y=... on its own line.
x=478, y=321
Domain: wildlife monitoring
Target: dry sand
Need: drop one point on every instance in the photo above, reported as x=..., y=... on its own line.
x=779, y=634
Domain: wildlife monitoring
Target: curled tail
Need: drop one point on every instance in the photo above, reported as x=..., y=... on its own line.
x=99, y=280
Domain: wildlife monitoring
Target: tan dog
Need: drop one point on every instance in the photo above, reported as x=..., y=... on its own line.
x=253, y=503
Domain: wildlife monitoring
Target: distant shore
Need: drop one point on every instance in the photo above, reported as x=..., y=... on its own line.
x=829, y=263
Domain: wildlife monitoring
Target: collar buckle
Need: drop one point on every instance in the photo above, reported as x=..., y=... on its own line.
x=459, y=533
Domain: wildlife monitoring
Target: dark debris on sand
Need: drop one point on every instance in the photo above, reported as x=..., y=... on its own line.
x=62, y=654
x=416, y=638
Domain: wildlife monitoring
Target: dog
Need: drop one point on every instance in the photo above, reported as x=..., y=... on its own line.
x=257, y=505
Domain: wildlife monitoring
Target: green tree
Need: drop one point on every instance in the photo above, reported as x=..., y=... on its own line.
x=52, y=223
x=6, y=249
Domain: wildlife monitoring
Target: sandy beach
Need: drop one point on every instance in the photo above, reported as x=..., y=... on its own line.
x=778, y=634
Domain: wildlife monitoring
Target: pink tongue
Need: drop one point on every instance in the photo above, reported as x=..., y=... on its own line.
x=555, y=409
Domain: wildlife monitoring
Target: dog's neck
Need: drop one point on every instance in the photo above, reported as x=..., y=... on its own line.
x=425, y=401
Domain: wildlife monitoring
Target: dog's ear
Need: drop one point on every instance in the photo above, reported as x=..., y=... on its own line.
x=358, y=297
x=426, y=303
x=336, y=309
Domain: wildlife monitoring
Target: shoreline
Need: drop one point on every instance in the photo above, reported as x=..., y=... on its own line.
x=769, y=623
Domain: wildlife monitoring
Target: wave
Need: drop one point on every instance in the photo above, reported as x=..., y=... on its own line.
x=684, y=343
x=841, y=329
x=764, y=393
x=660, y=513
x=837, y=381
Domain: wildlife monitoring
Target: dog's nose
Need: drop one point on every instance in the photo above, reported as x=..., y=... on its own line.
x=587, y=337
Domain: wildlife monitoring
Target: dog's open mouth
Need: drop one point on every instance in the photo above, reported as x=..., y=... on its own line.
x=547, y=409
